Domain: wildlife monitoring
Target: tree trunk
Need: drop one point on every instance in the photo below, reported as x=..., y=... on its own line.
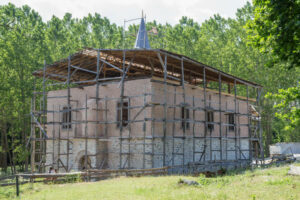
x=6, y=142
x=3, y=145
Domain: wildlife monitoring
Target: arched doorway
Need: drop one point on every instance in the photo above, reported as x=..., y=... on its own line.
x=82, y=163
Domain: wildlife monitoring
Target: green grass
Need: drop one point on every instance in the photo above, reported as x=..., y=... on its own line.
x=272, y=183
x=297, y=164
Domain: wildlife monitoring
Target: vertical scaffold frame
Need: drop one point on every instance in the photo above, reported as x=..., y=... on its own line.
x=166, y=69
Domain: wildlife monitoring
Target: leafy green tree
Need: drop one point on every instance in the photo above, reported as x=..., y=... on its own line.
x=21, y=50
x=26, y=41
x=287, y=105
x=276, y=29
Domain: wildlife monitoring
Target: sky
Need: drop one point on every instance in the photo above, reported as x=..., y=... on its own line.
x=163, y=11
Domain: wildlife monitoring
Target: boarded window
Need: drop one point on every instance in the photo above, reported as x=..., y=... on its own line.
x=231, y=121
x=185, y=116
x=210, y=119
x=66, y=118
x=122, y=114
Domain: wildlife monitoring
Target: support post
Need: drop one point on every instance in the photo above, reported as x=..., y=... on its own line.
x=249, y=126
x=17, y=186
x=220, y=116
x=226, y=137
x=184, y=113
x=173, y=129
x=152, y=134
x=97, y=92
x=144, y=130
x=85, y=135
x=205, y=116
x=259, y=126
x=32, y=157
x=194, y=122
x=43, y=120
x=53, y=135
x=129, y=136
x=97, y=106
x=165, y=112
x=68, y=116
x=235, y=120
x=121, y=109
x=59, y=137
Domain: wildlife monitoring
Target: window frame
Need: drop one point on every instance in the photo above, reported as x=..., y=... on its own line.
x=210, y=118
x=185, y=117
x=126, y=114
x=231, y=121
x=67, y=117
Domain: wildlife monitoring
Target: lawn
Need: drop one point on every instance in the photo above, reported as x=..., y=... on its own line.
x=272, y=183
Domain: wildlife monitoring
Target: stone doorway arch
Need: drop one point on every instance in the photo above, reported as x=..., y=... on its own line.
x=81, y=163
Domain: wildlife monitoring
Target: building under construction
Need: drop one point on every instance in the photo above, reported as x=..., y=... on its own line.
x=142, y=108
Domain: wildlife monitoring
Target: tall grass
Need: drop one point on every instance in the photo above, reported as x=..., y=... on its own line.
x=268, y=184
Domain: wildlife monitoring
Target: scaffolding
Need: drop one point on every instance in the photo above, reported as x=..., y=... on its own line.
x=99, y=67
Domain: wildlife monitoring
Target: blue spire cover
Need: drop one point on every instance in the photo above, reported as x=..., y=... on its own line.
x=142, y=41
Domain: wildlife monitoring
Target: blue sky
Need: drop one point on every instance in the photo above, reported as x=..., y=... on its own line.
x=117, y=10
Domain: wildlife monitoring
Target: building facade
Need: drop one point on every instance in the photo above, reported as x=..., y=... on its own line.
x=142, y=108
x=93, y=131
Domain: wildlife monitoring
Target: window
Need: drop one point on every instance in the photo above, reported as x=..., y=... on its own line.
x=66, y=118
x=185, y=116
x=210, y=118
x=231, y=121
x=124, y=118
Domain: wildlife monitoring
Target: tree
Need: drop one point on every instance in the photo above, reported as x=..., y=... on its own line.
x=276, y=29
x=26, y=41
x=287, y=105
x=21, y=49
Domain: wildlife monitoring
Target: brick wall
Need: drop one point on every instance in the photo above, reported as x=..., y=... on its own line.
x=105, y=151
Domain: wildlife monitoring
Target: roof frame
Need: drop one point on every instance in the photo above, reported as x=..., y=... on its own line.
x=148, y=61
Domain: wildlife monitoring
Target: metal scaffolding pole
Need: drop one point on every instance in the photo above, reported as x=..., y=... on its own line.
x=235, y=121
x=194, y=117
x=220, y=115
x=173, y=128
x=43, y=120
x=86, y=135
x=68, y=115
x=205, y=116
x=226, y=136
x=53, y=137
x=249, y=126
x=121, y=108
x=33, y=136
x=59, y=137
x=184, y=113
x=129, y=138
x=165, y=112
x=144, y=129
x=97, y=90
x=259, y=126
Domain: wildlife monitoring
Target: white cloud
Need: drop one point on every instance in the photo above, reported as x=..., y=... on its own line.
x=163, y=11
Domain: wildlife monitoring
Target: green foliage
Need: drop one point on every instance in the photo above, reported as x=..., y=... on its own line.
x=74, y=178
x=203, y=181
x=276, y=29
x=26, y=41
x=287, y=105
x=218, y=181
